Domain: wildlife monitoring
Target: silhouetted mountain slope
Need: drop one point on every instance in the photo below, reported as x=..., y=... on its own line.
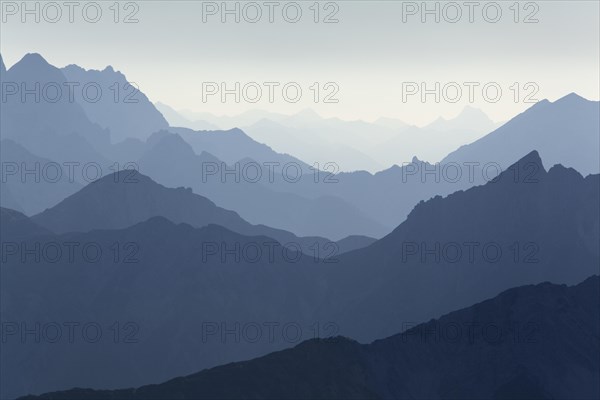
x=126, y=198
x=530, y=342
x=357, y=203
x=123, y=109
x=523, y=228
x=564, y=132
x=33, y=183
x=46, y=119
x=167, y=281
x=172, y=162
x=233, y=145
x=546, y=228
x=15, y=225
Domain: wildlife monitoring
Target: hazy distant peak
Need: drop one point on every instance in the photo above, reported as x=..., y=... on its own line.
x=33, y=59
x=571, y=98
x=467, y=112
x=308, y=113
x=469, y=119
x=391, y=123
x=473, y=113
x=470, y=109
x=33, y=64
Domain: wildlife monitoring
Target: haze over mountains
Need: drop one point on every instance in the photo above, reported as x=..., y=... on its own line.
x=543, y=346
x=358, y=203
x=45, y=120
x=127, y=198
x=22, y=180
x=352, y=145
x=564, y=132
x=179, y=243
x=263, y=193
x=509, y=232
x=123, y=108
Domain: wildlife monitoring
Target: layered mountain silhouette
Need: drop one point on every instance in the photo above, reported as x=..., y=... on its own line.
x=388, y=196
x=353, y=145
x=164, y=281
x=126, y=198
x=179, y=268
x=234, y=145
x=178, y=120
x=533, y=342
x=123, y=108
x=535, y=226
x=469, y=119
x=564, y=132
x=322, y=140
x=267, y=200
x=66, y=134
x=30, y=183
x=16, y=225
x=39, y=113
x=359, y=203
x=219, y=122
x=447, y=134
x=482, y=240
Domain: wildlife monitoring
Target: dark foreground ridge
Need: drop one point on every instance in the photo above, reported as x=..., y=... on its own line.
x=531, y=342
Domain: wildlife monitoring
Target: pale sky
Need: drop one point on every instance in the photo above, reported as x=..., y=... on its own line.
x=367, y=54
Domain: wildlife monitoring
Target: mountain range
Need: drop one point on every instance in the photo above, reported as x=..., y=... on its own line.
x=123, y=108
x=126, y=198
x=353, y=145
x=191, y=249
x=530, y=342
x=173, y=281
x=564, y=132
x=326, y=203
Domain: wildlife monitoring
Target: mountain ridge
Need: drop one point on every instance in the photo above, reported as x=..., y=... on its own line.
x=534, y=360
